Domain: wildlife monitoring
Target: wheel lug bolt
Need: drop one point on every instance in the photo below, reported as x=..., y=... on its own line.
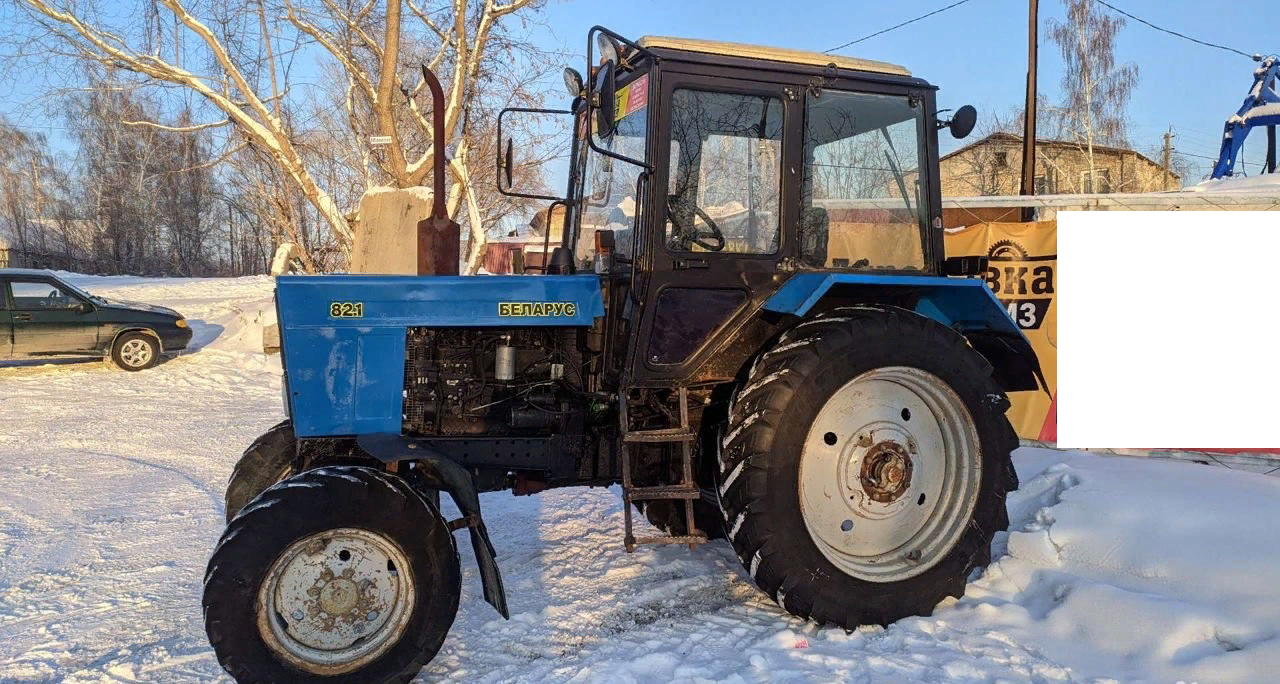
x=373, y=615
x=298, y=615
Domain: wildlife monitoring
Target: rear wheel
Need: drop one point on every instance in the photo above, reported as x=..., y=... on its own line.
x=865, y=467
x=340, y=574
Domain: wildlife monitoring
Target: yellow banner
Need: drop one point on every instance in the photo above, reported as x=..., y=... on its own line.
x=1022, y=274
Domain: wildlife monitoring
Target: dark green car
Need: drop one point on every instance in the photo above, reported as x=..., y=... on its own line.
x=43, y=315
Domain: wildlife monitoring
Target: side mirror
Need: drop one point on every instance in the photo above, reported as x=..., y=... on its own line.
x=508, y=163
x=962, y=123
x=85, y=307
x=606, y=99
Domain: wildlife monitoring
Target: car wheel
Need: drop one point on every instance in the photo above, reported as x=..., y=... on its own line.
x=135, y=351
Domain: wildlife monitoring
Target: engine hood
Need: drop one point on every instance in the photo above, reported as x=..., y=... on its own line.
x=119, y=305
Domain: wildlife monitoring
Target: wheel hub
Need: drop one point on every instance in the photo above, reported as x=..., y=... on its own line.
x=336, y=600
x=886, y=472
x=889, y=474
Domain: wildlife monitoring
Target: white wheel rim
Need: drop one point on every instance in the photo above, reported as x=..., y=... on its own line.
x=135, y=353
x=335, y=601
x=889, y=474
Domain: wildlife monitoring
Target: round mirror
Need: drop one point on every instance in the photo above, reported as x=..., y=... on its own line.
x=608, y=48
x=573, y=82
x=963, y=122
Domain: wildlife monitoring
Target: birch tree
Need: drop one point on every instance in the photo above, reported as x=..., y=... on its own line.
x=237, y=58
x=1096, y=89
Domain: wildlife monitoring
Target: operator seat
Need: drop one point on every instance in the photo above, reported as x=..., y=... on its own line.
x=815, y=226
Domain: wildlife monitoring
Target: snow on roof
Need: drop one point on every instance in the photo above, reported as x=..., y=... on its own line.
x=1268, y=183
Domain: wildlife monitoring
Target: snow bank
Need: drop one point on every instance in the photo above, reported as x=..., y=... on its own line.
x=1139, y=569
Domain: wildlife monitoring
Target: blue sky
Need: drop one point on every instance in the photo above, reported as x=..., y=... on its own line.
x=975, y=52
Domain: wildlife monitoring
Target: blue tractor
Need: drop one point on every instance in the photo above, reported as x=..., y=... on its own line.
x=748, y=324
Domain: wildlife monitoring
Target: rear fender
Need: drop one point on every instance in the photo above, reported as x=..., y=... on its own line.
x=965, y=305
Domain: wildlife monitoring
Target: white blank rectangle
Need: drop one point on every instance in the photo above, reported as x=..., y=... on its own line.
x=1167, y=329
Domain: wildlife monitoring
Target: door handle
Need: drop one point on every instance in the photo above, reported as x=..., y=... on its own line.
x=680, y=264
x=22, y=317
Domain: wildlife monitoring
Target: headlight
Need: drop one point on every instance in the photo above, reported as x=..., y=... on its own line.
x=182, y=323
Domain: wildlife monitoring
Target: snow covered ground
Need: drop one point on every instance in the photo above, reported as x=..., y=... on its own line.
x=1116, y=569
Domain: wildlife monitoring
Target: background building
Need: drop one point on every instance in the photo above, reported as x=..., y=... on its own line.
x=993, y=166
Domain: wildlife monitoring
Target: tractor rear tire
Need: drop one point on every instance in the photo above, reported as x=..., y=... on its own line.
x=270, y=459
x=342, y=575
x=842, y=508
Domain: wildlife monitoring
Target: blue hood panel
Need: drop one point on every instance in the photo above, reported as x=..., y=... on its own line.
x=343, y=336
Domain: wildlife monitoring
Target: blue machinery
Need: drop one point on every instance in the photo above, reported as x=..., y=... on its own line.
x=1260, y=108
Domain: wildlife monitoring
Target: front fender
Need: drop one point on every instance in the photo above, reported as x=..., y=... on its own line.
x=964, y=304
x=440, y=473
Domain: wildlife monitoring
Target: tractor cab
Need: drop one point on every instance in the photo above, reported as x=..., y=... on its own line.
x=705, y=175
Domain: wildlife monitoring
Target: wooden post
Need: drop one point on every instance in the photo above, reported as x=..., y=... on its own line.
x=1029, y=114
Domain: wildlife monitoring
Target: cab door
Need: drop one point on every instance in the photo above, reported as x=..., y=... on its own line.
x=721, y=194
x=49, y=319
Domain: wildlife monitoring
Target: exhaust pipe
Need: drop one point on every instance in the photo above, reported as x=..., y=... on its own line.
x=439, y=249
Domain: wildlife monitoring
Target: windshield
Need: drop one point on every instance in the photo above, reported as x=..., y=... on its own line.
x=79, y=291
x=608, y=186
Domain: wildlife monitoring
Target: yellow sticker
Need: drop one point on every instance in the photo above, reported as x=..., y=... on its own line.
x=631, y=98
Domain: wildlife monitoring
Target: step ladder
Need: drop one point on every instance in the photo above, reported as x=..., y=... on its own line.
x=686, y=490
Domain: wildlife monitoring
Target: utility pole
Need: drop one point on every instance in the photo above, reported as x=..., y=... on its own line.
x=1029, y=121
x=1167, y=160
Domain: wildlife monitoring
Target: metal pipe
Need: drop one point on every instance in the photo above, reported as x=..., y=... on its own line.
x=1029, y=113
x=438, y=209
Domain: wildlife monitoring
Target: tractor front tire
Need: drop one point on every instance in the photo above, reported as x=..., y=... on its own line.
x=270, y=459
x=864, y=470
x=267, y=461
x=342, y=575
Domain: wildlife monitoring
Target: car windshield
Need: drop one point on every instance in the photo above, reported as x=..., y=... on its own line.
x=73, y=289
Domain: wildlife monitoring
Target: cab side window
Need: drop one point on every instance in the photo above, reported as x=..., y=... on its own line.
x=38, y=296
x=723, y=189
x=861, y=196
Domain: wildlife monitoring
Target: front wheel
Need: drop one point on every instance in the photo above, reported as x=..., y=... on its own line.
x=135, y=351
x=272, y=458
x=865, y=466
x=341, y=575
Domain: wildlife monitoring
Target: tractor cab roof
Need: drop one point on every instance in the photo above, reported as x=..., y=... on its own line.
x=771, y=54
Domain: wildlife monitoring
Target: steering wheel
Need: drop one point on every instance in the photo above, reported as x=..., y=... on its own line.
x=693, y=235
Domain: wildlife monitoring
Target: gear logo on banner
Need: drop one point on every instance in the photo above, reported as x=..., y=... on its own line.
x=1023, y=283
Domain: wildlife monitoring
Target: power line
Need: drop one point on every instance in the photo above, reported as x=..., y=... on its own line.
x=1140, y=20
x=891, y=28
